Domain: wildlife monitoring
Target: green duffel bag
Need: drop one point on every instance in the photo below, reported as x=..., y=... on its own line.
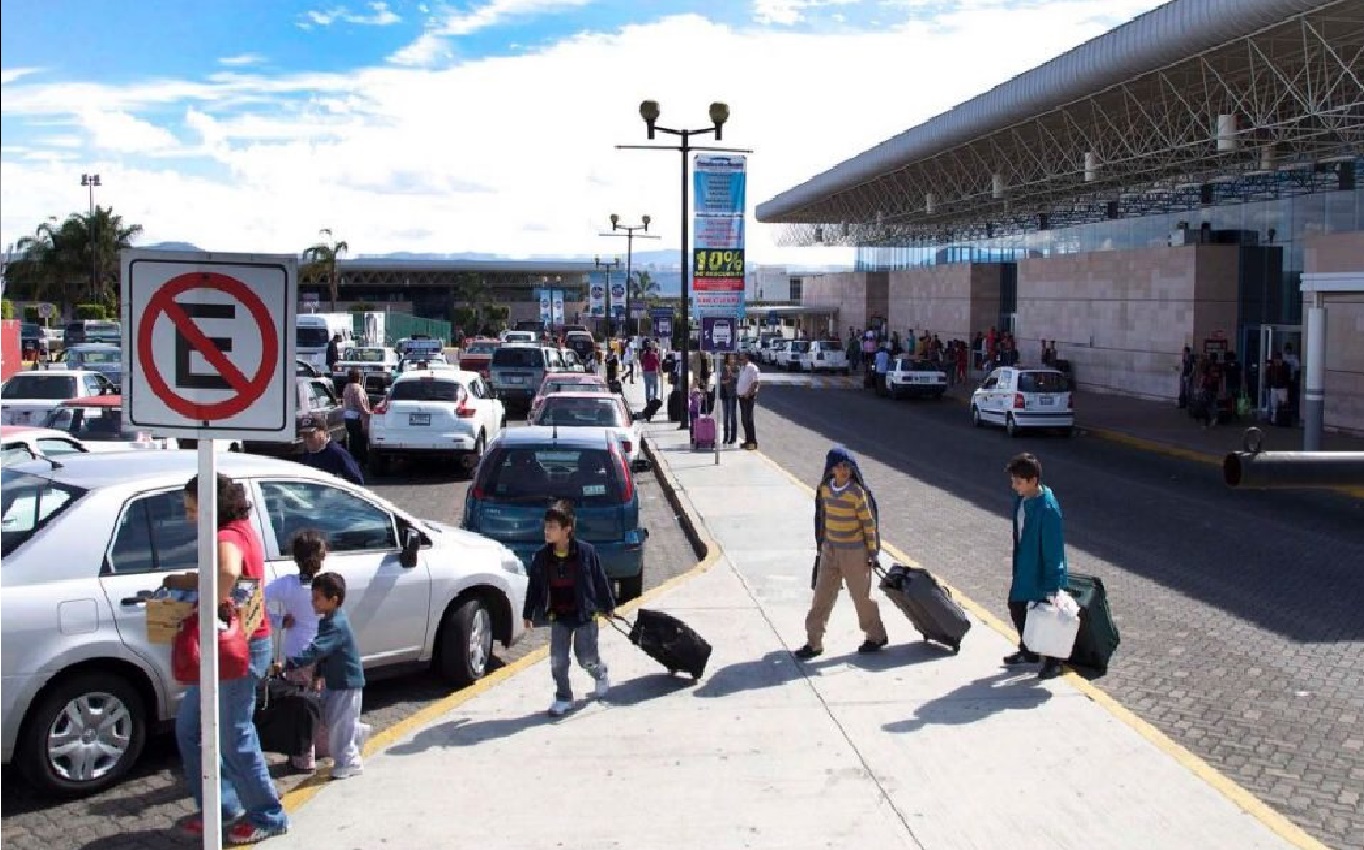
x=1098, y=638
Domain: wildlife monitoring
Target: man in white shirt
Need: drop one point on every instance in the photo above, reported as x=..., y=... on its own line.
x=746, y=388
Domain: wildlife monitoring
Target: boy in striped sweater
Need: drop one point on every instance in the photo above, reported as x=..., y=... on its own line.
x=849, y=540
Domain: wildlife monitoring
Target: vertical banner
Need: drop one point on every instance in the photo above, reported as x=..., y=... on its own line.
x=542, y=295
x=557, y=306
x=718, y=243
x=596, y=294
x=618, y=297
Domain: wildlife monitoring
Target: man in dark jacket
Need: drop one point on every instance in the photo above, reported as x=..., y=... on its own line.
x=1039, y=559
x=320, y=452
x=568, y=587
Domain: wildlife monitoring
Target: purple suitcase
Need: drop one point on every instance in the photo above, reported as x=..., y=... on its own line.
x=703, y=433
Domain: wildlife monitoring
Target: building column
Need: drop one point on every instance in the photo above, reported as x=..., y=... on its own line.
x=1314, y=375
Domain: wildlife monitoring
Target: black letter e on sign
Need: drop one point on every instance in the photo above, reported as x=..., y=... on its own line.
x=184, y=378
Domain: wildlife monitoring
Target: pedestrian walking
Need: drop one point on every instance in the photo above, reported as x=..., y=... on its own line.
x=648, y=365
x=355, y=409
x=848, y=538
x=628, y=355
x=321, y=452
x=568, y=588
x=729, y=399
x=1039, y=557
x=746, y=387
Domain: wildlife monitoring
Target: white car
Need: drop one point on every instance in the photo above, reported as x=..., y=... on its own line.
x=788, y=356
x=19, y=443
x=823, y=356
x=435, y=413
x=27, y=397
x=435, y=361
x=773, y=350
x=97, y=422
x=508, y=337
x=87, y=541
x=577, y=409
x=910, y=378
x=1018, y=397
x=370, y=360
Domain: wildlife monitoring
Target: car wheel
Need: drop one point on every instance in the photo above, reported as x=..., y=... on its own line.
x=466, y=643
x=631, y=588
x=472, y=459
x=975, y=417
x=1011, y=425
x=83, y=736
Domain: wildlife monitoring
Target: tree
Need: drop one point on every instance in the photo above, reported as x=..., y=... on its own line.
x=320, y=264
x=56, y=263
x=643, y=287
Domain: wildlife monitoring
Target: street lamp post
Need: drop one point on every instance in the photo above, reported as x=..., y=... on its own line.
x=608, y=265
x=719, y=114
x=90, y=182
x=629, y=234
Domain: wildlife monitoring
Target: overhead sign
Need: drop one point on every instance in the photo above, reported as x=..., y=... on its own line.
x=208, y=344
x=718, y=246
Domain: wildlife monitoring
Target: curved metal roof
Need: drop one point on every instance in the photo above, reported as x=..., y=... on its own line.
x=1175, y=31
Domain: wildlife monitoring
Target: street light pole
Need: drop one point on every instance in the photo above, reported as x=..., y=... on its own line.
x=608, y=265
x=90, y=181
x=719, y=114
x=629, y=235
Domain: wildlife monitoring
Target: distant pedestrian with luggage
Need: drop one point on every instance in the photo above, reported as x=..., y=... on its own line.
x=1039, y=556
x=569, y=588
x=750, y=379
x=848, y=538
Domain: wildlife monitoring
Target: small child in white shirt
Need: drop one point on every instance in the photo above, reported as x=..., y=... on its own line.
x=292, y=597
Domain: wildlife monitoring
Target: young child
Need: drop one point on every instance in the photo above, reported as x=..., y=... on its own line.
x=568, y=587
x=291, y=597
x=337, y=657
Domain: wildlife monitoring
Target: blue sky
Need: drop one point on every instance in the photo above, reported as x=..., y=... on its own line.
x=485, y=125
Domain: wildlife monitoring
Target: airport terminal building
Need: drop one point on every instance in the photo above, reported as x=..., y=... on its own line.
x=1190, y=178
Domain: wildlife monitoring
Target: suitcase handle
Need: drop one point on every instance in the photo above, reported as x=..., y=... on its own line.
x=613, y=619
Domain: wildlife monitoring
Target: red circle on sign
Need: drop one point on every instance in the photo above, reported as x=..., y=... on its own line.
x=248, y=392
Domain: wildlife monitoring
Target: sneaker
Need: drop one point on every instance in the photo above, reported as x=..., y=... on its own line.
x=1020, y=657
x=246, y=832
x=603, y=685
x=347, y=772
x=560, y=707
x=870, y=645
x=807, y=652
x=362, y=736
x=193, y=825
x=1050, y=670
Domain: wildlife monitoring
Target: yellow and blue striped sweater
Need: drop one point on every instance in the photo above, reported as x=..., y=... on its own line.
x=848, y=521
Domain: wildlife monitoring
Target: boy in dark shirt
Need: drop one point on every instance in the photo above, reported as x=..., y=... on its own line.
x=568, y=587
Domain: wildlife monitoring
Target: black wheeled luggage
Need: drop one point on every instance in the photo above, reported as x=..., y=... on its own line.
x=667, y=640
x=650, y=410
x=287, y=715
x=1098, y=638
x=677, y=405
x=930, y=608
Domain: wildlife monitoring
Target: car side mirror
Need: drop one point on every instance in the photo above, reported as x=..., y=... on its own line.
x=412, y=544
x=640, y=464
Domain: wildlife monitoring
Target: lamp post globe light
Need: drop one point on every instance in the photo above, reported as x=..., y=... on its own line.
x=631, y=232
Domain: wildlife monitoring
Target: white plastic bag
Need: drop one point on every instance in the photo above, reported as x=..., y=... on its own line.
x=1051, y=626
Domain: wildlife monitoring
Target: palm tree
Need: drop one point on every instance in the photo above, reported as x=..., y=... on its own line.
x=320, y=263
x=57, y=263
x=643, y=287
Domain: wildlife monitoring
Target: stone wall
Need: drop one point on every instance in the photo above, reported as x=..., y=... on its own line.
x=1123, y=317
x=936, y=299
x=1344, y=377
x=846, y=292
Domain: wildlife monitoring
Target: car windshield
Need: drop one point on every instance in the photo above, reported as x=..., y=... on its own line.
x=103, y=332
x=425, y=390
x=30, y=330
x=99, y=356
x=1042, y=382
x=481, y=348
x=522, y=358
x=917, y=366
x=598, y=412
x=91, y=424
x=572, y=386
x=311, y=337
x=366, y=355
x=798, y=346
x=27, y=504
x=39, y=387
x=538, y=475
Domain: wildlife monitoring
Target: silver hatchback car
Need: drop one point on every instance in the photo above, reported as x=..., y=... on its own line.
x=86, y=537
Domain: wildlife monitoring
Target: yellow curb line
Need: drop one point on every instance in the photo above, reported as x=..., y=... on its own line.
x=306, y=790
x=1246, y=801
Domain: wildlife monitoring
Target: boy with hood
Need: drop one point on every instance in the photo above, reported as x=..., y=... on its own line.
x=848, y=538
x=1039, y=560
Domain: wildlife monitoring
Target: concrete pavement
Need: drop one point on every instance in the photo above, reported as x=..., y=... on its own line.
x=912, y=747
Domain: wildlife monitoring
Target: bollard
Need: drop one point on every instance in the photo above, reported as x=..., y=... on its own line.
x=1261, y=470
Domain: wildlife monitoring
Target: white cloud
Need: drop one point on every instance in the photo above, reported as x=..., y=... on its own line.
x=379, y=15
x=9, y=75
x=513, y=155
x=241, y=59
x=791, y=12
x=432, y=45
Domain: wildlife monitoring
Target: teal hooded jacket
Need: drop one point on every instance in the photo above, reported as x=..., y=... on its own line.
x=1040, y=553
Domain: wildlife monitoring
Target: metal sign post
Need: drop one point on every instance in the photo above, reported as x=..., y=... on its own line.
x=208, y=643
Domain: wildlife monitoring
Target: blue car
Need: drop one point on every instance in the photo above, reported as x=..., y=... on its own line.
x=525, y=469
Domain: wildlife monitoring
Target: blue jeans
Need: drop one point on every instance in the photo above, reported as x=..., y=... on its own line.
x=583, y=641
x=729, y=407
x=245, y=777
x=650, y=386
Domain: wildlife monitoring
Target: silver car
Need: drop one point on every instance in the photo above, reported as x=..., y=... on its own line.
x=86, y=538
x=98, y=357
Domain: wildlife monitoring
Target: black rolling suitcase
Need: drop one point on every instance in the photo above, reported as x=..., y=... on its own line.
x=930, y=608
x=667, y=640
x=650, y=410
x=287, y=715
x=1098, y=638
x=677, y=405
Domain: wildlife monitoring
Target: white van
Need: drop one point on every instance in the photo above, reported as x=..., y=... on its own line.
x=314, y=330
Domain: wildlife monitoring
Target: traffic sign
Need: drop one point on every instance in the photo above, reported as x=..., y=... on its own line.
x=208, y=344
x=718, y=334
x=46, y=310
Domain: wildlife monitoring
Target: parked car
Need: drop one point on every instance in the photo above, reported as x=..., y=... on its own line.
x=377, y=364
x=789, y=355
x=435, y=414
x=33, y=342
x=305, y=369
x=910, y=378
x=582, y=343
x=98, y=422
x=99, y=357
x=27, y=397
x=519, y=336
x=316, y=399
x=93, y=330
x=773, y=351
x=1018, y=398
x=517, y=370
x=579, y=409
x=527, y=468
x=85, y=543
x=20, y=443
x=476, y=355
x=564, y=381
x=823, y=356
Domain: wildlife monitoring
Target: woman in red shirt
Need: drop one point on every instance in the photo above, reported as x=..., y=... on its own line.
x=648, y=364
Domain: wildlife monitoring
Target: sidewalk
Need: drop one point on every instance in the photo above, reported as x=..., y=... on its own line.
x=910, y=748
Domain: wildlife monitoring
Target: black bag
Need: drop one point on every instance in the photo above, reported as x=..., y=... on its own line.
x=651, y=408
x=1098, y=638
x=287, y=716
x=667, y=640
x=677, y=405
x=930, y=608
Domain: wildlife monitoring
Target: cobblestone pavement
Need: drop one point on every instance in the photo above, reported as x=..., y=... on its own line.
x=141, y=812
x=1242, y=636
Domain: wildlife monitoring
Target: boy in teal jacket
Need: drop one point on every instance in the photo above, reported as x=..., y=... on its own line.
x=1039, y=560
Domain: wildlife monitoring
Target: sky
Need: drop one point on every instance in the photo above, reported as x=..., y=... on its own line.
x=484, y=126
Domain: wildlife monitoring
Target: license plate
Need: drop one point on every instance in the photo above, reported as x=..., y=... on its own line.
x=418, y=419
x=1046, y=400
x=515, y=379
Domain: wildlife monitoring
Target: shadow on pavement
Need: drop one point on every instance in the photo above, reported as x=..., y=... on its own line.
x=892, y=657
x=773, y=670
x=143, y=838
x=467, y=732
x=645, y=688
x=967, y=704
